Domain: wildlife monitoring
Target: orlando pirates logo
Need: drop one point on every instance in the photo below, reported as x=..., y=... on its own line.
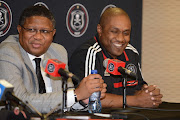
x=5, y=18
x=132, y=68
x=41, y=4
x=51, y=68
x=77, y=20
x=108, y=6
x=111, y=67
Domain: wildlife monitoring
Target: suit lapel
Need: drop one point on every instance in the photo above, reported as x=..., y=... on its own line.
x=55, y=81
x=30, y=68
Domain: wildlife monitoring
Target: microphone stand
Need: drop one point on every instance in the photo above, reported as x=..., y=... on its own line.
x=64, y=88
x=8, y=104
x=124, y=82
x=125, y=110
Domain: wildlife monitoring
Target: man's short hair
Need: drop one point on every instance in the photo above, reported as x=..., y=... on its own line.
x=36, y=10
x=109, y=12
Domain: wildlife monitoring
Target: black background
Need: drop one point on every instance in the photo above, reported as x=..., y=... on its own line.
x=94, y=8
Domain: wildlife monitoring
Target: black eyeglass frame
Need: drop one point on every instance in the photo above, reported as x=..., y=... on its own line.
x=32, y=30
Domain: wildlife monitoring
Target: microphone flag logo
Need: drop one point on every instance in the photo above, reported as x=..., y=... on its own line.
x=111, y=67
x=51, y=68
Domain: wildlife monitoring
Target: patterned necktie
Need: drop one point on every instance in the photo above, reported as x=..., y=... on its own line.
x=42, y=88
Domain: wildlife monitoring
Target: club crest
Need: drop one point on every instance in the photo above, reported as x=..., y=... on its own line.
x=108, y=6
x=5, y=18
x=132, y=68
x=77, y=20
x=51, y=68
x=41, y=4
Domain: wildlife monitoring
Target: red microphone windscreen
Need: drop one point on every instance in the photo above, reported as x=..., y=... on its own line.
x=112, y=66
x=52, y=67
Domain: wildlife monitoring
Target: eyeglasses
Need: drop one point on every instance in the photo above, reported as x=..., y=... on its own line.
x=34, y=31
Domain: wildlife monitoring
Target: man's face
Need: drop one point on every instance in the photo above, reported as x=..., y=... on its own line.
x=36, y=35
x=114, y=35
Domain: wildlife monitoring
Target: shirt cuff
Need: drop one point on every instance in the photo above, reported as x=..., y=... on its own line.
x=70, y=97
x=78, y=106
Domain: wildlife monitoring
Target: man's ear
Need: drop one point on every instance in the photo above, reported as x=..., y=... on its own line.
x=99, y=29
x=19, y=28
x=54, y=32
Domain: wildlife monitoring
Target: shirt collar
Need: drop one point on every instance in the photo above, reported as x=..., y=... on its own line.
x=32, y=56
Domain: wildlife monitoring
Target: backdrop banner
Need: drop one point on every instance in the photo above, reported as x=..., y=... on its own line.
x=76, y=20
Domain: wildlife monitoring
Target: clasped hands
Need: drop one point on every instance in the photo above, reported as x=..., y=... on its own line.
x=149, y=96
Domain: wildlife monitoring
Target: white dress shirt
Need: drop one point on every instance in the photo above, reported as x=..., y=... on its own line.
x=47, y=81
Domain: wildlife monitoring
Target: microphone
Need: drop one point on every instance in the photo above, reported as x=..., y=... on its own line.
x=52, y=67
x=6, y=90
x=117, y=67
x=56, y=68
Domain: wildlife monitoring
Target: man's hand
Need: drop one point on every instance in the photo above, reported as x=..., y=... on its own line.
x=149, y=96
x=103, y=93
x=156, y=96
x=90, y=84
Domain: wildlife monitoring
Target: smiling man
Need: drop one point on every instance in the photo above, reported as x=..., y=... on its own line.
x=21, y=64
x=112, y=41
x=36, y=34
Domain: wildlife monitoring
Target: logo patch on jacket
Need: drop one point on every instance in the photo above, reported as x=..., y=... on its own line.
x=132, y=68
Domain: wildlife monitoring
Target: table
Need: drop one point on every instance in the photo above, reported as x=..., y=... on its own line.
x=166, y=111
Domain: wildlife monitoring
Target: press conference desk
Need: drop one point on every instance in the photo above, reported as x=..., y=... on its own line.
x=166, y=111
